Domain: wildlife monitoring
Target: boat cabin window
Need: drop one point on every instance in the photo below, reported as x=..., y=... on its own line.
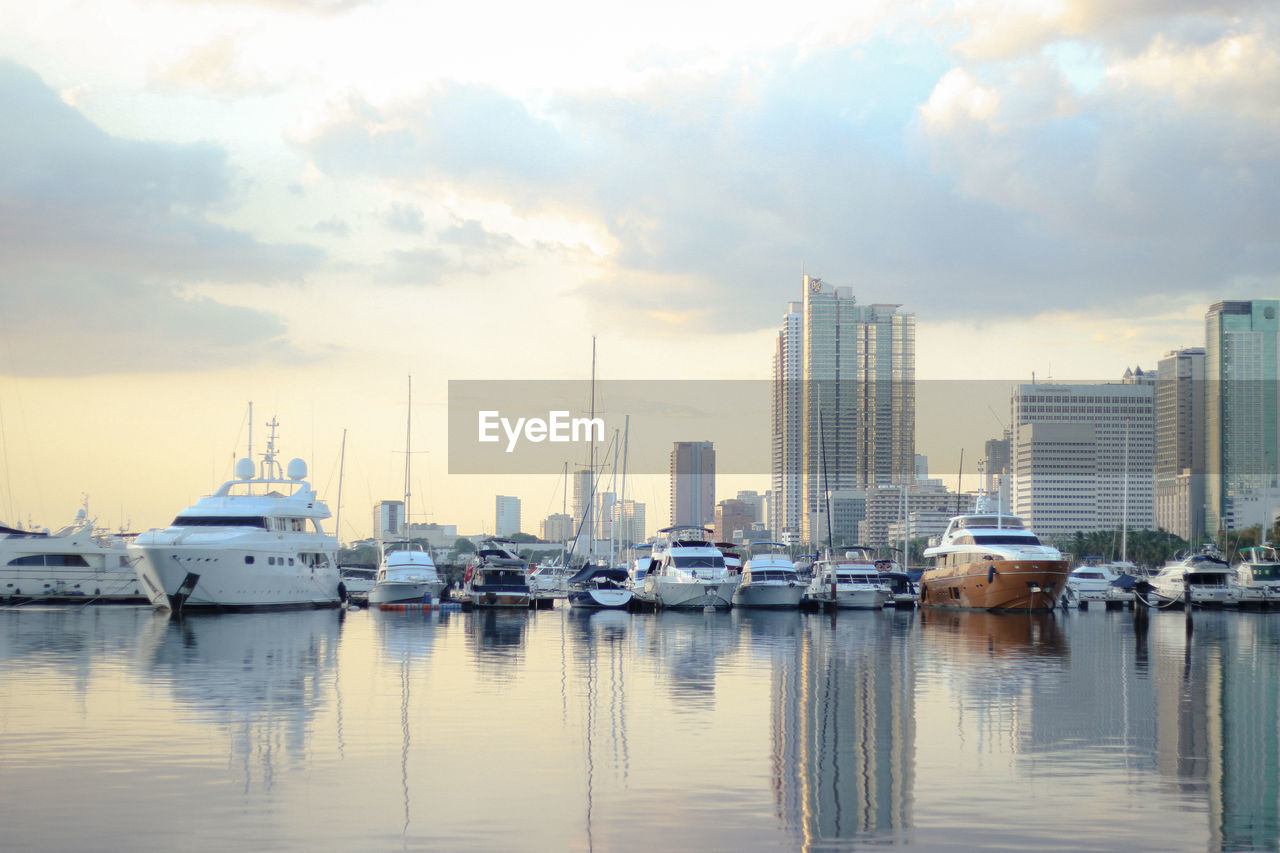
x=698, y=562
x=1207, y=579
x=773, y=575
x=1088, y=576
x=220, y=521
x=314, y=559
x=63, y=560
x=997, y=539
x=512, y=579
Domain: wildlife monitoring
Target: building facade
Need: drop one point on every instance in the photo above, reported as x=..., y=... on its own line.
x=1180, y=443
x=1242, y=441
x=786, y=505
x=557, y=527
x=506, y=521
x=693, y=483
x=388, y=519
x=1121, y=416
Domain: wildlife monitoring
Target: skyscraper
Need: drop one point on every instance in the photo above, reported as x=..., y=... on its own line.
x=506, y=520
x=1242, y=441
x=1180, y=443
x=858, y=383
x=693, y=483
x=786, y=505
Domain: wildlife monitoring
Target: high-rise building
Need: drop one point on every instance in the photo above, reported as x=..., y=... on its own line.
x=733, y=520
x=631, y=522
x=1242, y=439
x=693, y=483
x=1180, y=443
x=557, y=527
x=858, y=385
x=388, y=519
x=584, y=501
x=1121, y=444
x=785, y=507
x=506, y=515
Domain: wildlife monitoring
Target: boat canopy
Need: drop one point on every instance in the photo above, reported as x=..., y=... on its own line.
x=589, y=573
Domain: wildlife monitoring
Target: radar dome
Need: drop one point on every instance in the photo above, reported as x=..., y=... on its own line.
x=297, y=469
x=244, y=468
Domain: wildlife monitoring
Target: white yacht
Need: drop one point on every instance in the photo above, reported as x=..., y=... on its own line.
x=769, y=578
x=689, y=571
x=78, y=563
x=255, y=543
x=851, y=583
x=496, y=576
x=1258, y=576
x=1095, y=582
x=1205, y=574
x=406, y=575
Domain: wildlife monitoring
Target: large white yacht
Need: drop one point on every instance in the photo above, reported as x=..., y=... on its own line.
x=78, y=563
x=769, y=578
x=255, y=543
x=852, y=582
x=406, y=574
x=689, y=571
x=1258, y=576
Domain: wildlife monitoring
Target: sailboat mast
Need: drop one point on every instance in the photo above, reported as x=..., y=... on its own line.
x=408, y=435
x=591, y=466
x=342, y=464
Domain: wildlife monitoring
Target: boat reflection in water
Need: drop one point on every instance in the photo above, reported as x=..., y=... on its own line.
x=497, y=638
x=261, y=678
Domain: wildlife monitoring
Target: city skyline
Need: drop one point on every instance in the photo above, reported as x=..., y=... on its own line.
x=299, y=204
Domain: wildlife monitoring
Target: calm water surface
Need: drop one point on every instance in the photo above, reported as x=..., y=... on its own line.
x=123, y=730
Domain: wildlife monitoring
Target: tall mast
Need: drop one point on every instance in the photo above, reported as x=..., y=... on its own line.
x=408, y=435
x=591, y=466
x=342, y=463
x=626, y=429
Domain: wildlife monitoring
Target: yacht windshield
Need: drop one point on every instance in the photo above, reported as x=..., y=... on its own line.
x=1002, y=539
x=220, y=521
x=508, y=579
x=698, y=562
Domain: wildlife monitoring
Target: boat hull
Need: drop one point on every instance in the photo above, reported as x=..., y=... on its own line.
x=404, y=592
x=768, y=594
x=500, y=599
x=693, y=594
x=850, y=599
x=601, y=599
x=177, y=577
x=1021, y=585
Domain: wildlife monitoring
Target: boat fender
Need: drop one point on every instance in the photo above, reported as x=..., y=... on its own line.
x=991, y=573
x=342, y=592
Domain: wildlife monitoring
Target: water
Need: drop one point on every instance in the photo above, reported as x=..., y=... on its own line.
x=122, y=730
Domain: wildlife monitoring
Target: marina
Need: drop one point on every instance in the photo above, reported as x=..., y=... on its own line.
x=739, y=729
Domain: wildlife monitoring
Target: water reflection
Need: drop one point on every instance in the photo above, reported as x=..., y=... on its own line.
x=686, y=648
x=259, y=677
x=497, y=637
x=844, y=730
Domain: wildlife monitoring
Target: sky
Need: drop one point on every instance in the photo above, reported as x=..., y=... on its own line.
x=303, y=204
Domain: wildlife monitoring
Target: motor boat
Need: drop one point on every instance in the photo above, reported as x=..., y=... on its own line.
x=1204, y=575
x=688, y=571
x=600, y=587
x=851, y=582
x=769, y=578
x=496, y=576
x=406, y=575
x=78, y=563
x=1095, y=582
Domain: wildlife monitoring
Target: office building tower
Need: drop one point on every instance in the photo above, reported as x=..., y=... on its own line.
x=1180, y=443
x=506, y=515
x=693, y=483
x=733, y=520
x=1241, y=437
x=1115, y=441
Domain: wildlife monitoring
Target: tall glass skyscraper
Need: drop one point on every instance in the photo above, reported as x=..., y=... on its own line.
x=856, y=367
x=1242, y=408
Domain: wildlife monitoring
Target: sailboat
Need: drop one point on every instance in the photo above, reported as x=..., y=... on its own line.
x=406, y=572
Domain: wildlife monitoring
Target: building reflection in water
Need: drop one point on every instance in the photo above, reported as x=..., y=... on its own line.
x=844, y=729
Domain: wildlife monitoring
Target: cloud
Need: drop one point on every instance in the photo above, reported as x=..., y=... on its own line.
x=464, y=248
x=1007, y=188
x=95, y=228
x=404, y=218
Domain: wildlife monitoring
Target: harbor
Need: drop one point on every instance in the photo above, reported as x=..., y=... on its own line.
x=683, y=730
